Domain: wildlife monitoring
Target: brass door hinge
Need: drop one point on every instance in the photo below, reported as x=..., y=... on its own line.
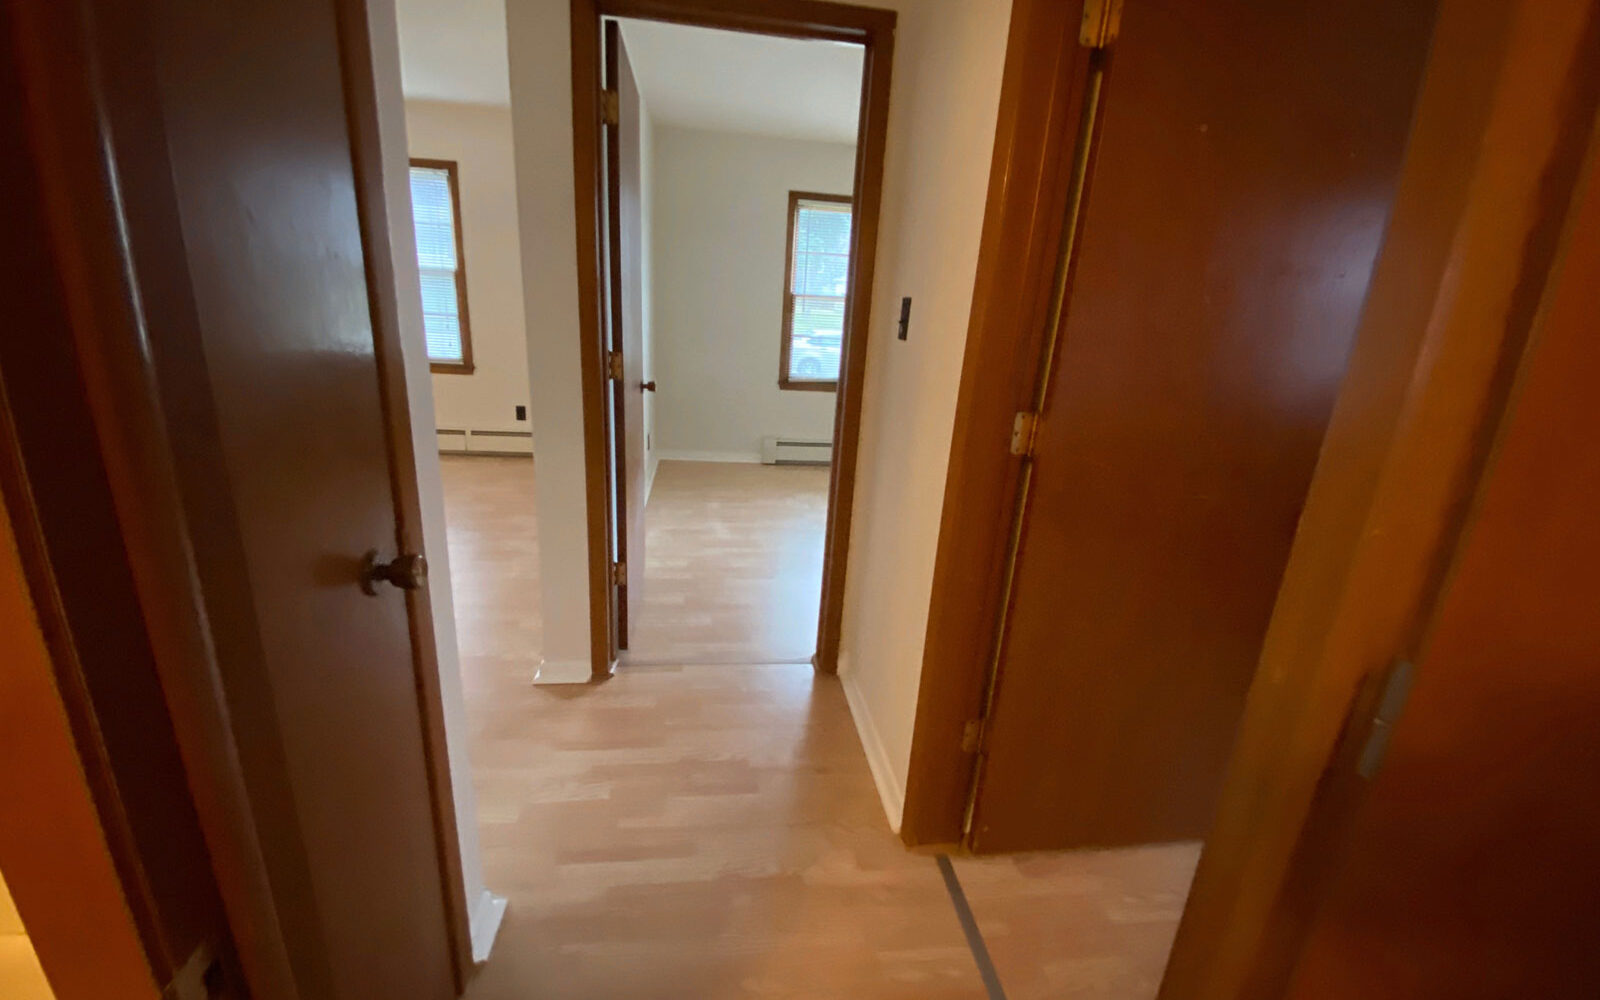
x=972, y=736
x=610, y=107
x=614, y=364
x=1102, y=19
x=619, y=574
x=1023, y=431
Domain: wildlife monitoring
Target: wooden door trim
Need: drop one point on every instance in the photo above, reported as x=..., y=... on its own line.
x=452, y=171
x=873, y=28
x=1041, y=104
x=786, y=331
x=383, y=298
x=819, y=19
x=1504, y=126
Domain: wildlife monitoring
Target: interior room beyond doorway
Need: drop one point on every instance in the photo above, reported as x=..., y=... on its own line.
x=731, y=265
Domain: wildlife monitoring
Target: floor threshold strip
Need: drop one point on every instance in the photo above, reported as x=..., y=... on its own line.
x=969, y=927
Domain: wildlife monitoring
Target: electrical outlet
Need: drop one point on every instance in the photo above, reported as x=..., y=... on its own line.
x=522, y=413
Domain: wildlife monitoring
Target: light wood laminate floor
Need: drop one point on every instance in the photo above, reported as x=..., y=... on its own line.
x=698, y=830
x=733, y=567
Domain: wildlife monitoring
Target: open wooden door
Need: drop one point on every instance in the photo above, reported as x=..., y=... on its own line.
x=211, y=197
x=1241, y=158
x=263, y=175
x=625, y=327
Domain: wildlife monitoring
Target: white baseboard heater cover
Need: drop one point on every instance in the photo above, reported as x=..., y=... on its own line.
x=465, y=441
x=795, y=451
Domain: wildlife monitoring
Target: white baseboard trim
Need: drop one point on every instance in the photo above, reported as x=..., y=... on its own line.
x=890, y=793
x=484, y=922
x=675, y=455
x=651, y=465
x=563, y=672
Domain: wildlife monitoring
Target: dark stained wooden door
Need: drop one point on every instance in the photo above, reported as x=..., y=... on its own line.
x=625, y=313
x=1470, y=871
x=1246, y=161
x=254, y=103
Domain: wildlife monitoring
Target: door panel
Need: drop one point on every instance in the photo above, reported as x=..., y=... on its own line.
x=260, y=148
x=1470, y=870
x=1242, y=180
x=624, y=228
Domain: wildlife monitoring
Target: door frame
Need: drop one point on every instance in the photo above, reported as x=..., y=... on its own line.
x=872, y=28
x=1042, y=100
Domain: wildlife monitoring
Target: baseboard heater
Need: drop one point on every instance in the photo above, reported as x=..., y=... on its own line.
x=794, y=451
x=466, y=441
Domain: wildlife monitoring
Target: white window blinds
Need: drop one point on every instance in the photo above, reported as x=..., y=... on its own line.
x=818, y=273
x=433, y=213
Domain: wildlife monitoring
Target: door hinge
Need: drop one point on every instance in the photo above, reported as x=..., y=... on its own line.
x=610, y=107
x=972, y=736
x=619, y=574
x=1396, y=687
x=614, y=365
x=1023, y=431
x=1102, y=19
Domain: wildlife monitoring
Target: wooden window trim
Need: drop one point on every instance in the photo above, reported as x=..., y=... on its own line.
x=464, y=366
x=786, y=332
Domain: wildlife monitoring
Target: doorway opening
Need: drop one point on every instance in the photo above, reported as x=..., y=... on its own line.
x=729, y=203
x=724, y=294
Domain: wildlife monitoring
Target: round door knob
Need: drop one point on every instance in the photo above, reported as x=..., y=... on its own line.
x=649, y=386
x=408, y=572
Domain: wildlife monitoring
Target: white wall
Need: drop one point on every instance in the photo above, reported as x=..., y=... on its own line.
x=946, y=92
x=540, y=46
x=478, y=138
x=719, y=226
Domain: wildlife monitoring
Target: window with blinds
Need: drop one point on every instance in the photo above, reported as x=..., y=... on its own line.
x=435, y=204
x=818, y=271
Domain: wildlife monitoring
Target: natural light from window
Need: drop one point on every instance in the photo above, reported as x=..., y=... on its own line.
x=819, y=268
x=433, y=204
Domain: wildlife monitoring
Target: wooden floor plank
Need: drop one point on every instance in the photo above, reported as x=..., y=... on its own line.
x=687, y=831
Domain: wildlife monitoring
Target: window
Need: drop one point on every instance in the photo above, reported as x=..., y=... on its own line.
x=817, y=271
x=436, y=213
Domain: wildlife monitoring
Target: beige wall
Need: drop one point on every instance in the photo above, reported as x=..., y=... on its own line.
x=719, y=225
x=946, y=92
x=478, y=138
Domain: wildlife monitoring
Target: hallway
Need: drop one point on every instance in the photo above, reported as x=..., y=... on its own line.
x=703, y=830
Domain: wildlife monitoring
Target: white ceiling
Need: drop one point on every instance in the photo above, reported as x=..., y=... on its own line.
x=732, y=81
x=455, y=50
